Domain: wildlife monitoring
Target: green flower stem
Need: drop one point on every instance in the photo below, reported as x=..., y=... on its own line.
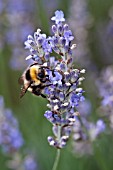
x=58, y=151
x=56, y=160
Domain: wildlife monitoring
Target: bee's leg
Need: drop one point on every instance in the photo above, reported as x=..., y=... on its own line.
x=43, y=95
x=37, y=90
x=45, y=79
x=38, y=93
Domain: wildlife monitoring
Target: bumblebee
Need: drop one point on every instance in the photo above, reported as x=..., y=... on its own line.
x=34, y=79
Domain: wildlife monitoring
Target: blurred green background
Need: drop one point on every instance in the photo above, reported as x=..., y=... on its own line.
x=29, y=110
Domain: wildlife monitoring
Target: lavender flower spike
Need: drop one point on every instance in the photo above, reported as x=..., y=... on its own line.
x=64, y=92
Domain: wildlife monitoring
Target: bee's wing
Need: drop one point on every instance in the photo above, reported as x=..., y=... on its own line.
x=21, y=80
x=25, y=85
x=24, y=89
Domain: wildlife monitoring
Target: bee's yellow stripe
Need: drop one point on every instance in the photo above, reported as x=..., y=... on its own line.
x=33, y=74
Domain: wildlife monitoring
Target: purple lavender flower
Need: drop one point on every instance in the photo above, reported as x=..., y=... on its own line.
x=39, y=47
x=63, y=94
x=59, y=17
x=11, y=141
x=81, y=21
x=2, y=5
x=10, y=137
x=26, y=162
x=96, y=129
x=14, y=33
x=85, y=108
x=30, y=163
x=75, y=98
x=84, y=133
x=105, y=88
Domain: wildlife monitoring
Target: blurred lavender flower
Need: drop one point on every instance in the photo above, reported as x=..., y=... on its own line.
x=2, y=23
x=63, y=93
x=85, y=108
x=11, y=141
x=30, y=163
x=21, y=12
x=86, y=132
x=81, y=21
x=10, y=137
x=105, y=87
x=1, y=6
x=26, y=162
x=15, y=24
